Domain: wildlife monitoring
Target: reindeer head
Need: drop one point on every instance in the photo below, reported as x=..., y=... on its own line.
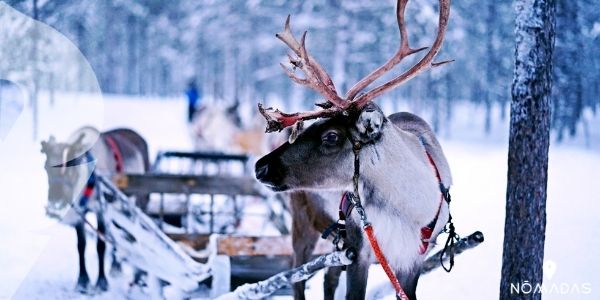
x=66, y=174
x=321, y=157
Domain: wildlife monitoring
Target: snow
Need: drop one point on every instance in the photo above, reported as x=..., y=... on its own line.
x=38, y=257
x=11, y=105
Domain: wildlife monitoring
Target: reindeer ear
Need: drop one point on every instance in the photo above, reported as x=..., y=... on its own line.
x=296, y=128
x=369, y=124
x=44, y=147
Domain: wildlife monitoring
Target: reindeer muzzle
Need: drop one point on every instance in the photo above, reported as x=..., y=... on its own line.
x=270, y=172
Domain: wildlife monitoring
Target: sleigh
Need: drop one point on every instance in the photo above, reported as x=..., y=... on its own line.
x=185, y=220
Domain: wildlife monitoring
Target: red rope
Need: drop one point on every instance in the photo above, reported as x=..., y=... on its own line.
x=384, y=264
x=116, y=153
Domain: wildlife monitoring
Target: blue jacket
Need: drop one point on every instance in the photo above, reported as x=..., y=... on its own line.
x=193, y=96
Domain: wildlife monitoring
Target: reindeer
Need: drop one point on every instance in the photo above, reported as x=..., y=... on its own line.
x=218, y=128
x=69, y=165
x=393, y=166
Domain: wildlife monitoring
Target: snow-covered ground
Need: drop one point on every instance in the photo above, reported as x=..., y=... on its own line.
x=38, y=256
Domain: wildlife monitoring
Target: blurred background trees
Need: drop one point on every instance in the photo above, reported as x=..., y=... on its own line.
x=153, y=47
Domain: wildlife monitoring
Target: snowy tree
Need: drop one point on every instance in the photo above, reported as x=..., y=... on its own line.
x=147, y=47
x=525, y=224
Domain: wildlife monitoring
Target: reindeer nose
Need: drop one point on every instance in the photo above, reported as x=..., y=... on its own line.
x=270, y=171
x=261, y=171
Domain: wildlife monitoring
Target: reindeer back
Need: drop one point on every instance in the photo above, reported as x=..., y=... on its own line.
x=414, y=124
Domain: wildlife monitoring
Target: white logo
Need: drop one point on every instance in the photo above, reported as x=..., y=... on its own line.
x=548, y=287
x=549, y=269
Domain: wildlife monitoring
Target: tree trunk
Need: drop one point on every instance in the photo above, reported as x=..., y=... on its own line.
x=525, y=225
x=2, y=81
x=567, y=98
x=491, y=66
x=36, y=76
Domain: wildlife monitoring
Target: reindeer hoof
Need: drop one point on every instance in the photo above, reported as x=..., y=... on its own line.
x=115, y=269
x=83, y=285
x=102, y=284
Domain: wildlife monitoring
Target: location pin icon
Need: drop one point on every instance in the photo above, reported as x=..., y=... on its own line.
x=549, y=269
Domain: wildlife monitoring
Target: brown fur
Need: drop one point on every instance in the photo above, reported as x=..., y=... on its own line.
x=308, y=221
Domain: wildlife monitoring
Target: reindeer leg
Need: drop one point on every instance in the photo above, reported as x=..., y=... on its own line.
x=358, y=272
x=332, y=278
x=356, y=279
x=409, y=281
x=102, y=283
x=83, y=280
x=304, y=239
x=303, y=248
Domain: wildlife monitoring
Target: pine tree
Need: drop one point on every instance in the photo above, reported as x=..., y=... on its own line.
x=525, y=224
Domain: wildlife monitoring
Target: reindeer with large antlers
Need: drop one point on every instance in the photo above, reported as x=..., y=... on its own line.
x=403, y=175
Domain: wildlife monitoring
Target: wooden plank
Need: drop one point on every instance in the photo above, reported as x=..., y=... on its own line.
x=189, y=184
x=195, y=241
x=247, y=246
x=263, y=246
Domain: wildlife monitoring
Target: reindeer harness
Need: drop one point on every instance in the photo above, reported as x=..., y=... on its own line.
x=89, y=185
x=351, y=201
x=91, y=182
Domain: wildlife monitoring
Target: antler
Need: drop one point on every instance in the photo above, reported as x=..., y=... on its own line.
x=424, y=64
x=278, y=120
x=317, y=78
x=402, y=52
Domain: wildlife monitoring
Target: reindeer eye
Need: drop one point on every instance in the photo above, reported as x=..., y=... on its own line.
x=331, y=138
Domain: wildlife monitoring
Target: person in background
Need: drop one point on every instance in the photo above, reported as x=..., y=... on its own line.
x=193, y=95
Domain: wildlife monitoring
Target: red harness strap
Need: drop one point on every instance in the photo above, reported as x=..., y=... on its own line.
x=345, y=209
x=427, y=231
x=116, y=153
x=437, y=172
x=87, y=192
x=383, y=261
